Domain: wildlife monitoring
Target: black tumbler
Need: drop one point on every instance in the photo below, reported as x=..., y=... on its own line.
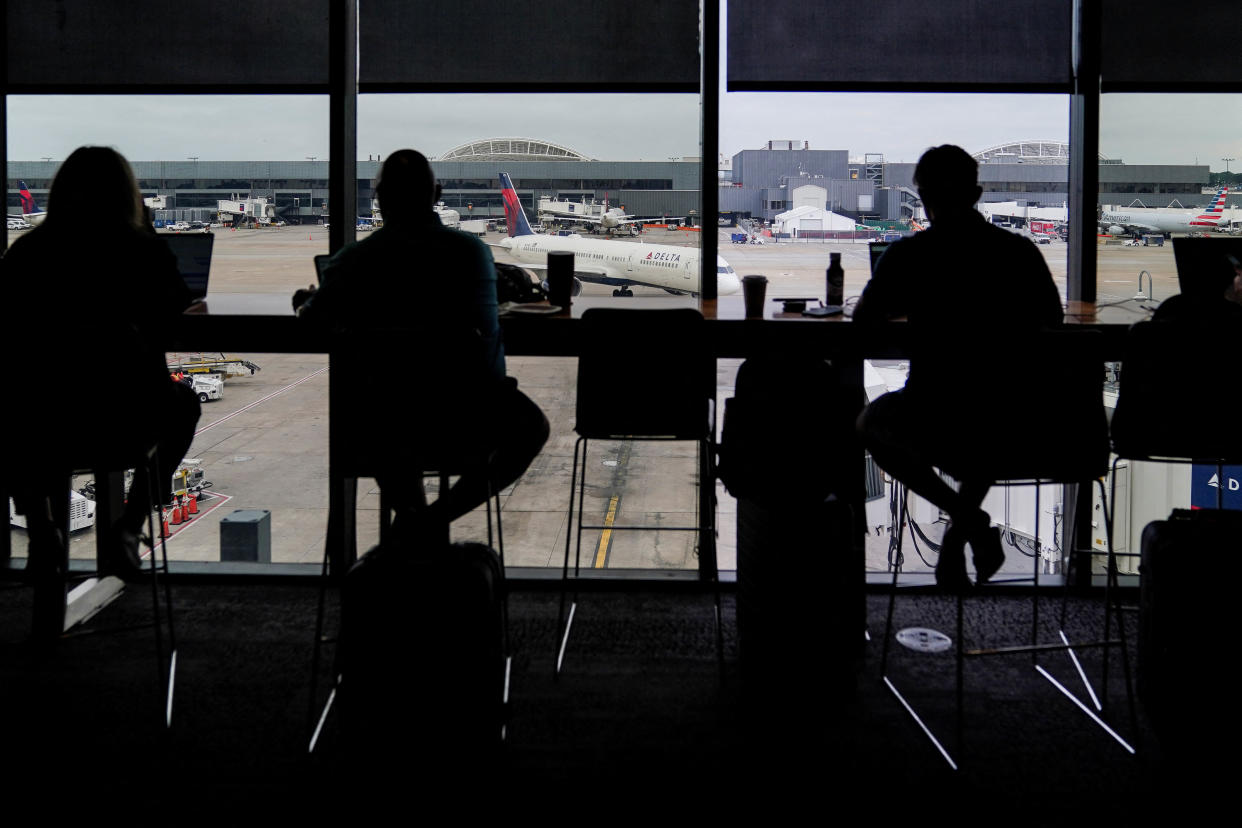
x=560, y=279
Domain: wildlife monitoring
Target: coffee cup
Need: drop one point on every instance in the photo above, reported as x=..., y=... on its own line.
x=754, y=289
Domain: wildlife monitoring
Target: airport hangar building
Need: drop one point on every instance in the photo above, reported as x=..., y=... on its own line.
x=759, y=183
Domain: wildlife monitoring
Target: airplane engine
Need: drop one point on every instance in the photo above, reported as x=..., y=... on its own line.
x=1117, y=230
x=573, y=291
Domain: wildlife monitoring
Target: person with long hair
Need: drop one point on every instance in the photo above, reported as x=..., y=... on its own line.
x=87, y=299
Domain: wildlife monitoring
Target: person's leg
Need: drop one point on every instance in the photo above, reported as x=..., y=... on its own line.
x=895, y=431
x=891, y=431
x=176, y=414
x=518, y=431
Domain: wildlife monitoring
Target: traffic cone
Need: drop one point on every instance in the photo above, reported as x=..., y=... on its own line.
x=165, y=533
x=191, y=503
x=175, y=518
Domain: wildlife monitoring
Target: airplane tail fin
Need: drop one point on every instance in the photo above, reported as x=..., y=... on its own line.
x=1215, y=210
x=1218, y=201
x=29, y=205
x=515, y=216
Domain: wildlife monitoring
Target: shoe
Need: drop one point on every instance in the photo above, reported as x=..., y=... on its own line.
x=120, y=557
x=987, y=553
x=951, y=568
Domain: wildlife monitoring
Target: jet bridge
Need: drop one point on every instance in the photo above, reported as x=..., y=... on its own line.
x=246, y=211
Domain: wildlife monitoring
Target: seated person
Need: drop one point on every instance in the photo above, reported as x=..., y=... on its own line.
x=963, y=284
x=1220, y=296
x=93, y=291
x=414, y=271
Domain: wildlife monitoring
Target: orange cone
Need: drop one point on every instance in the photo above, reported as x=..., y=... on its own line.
x=191, y=504
x=165, y=533
x=175, y=518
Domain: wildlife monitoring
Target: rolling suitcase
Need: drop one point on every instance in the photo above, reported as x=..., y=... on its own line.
x=422, y=654
x=786, y=451
x=1185, y=624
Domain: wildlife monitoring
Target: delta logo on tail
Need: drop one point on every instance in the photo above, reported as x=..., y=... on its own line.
x=31, y=214
x=515, y=216
x=28, y=202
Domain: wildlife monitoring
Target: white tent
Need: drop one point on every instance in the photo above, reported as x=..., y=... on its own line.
x=811, y=218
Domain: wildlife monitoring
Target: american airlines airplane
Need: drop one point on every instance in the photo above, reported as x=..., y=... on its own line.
x=620, y=264
x=1154, y=220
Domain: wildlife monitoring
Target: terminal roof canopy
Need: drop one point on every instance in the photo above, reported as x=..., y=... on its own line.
x=512, y=149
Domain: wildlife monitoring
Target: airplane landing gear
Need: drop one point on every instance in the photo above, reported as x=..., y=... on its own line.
x=623, y=291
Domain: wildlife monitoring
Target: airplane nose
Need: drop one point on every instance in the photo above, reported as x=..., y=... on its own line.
x=727, y=283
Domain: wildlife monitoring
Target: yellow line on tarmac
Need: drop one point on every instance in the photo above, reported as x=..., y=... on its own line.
x=601, y=554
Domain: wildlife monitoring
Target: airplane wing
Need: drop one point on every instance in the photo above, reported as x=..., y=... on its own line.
x=1132, y=226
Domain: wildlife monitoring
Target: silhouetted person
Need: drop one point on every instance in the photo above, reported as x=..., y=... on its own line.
x=93, y=292
x=965, y=286
x=1218, y=296
x=416, y=273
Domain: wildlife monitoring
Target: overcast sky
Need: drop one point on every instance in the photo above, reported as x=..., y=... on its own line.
x=1172, y=129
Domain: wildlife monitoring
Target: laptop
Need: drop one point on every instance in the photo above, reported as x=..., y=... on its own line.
x=877, y=250
x=1203, y=265
x=193, y=252
x=321, y=262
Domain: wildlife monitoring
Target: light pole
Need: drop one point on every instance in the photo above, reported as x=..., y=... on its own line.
x=1227, y=160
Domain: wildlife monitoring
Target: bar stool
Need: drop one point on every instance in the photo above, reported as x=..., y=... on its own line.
x=43, y=485
x=1056, y=432
x=675, y=401
x=392, y=424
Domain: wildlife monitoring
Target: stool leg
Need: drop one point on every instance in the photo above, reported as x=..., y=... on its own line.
x=47, y=561
x=899, y=494
x=563, y=624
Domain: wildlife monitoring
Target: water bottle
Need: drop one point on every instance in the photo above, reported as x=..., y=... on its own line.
x=836, y=281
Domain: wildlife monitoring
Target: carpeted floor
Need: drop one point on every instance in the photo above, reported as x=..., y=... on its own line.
x=641, y=713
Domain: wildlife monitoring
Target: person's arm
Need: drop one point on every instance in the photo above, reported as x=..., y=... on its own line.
x=1048, y=308
x=886, y=296
x=483, y=303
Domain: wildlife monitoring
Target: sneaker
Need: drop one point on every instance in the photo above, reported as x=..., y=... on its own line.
x=987, y=553
x=120, y=557
x=951, y=568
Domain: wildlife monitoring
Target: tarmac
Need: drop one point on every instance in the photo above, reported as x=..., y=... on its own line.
x=264, y=445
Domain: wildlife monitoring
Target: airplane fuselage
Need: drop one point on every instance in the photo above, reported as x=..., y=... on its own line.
x=1216, y=216
x=1161, y=221
x=621, y=263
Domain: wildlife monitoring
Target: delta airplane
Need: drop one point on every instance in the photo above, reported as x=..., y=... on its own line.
x=1153, y=220
x=620, y=264
x=30, y=210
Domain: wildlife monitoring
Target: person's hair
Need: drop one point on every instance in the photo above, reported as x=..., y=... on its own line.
x=947, y=176
x=94, y=186
x=406, y=185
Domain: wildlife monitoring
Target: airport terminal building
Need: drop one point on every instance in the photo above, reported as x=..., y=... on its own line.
x=469, y=175
x=765, y=182
x=760, y=183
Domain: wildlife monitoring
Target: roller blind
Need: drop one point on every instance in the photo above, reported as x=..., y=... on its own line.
x=1151, y=45
x=144, y=43
x=639, y=44
x=899, y=44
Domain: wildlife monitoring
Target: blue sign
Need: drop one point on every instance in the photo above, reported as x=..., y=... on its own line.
x=1205, y=485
